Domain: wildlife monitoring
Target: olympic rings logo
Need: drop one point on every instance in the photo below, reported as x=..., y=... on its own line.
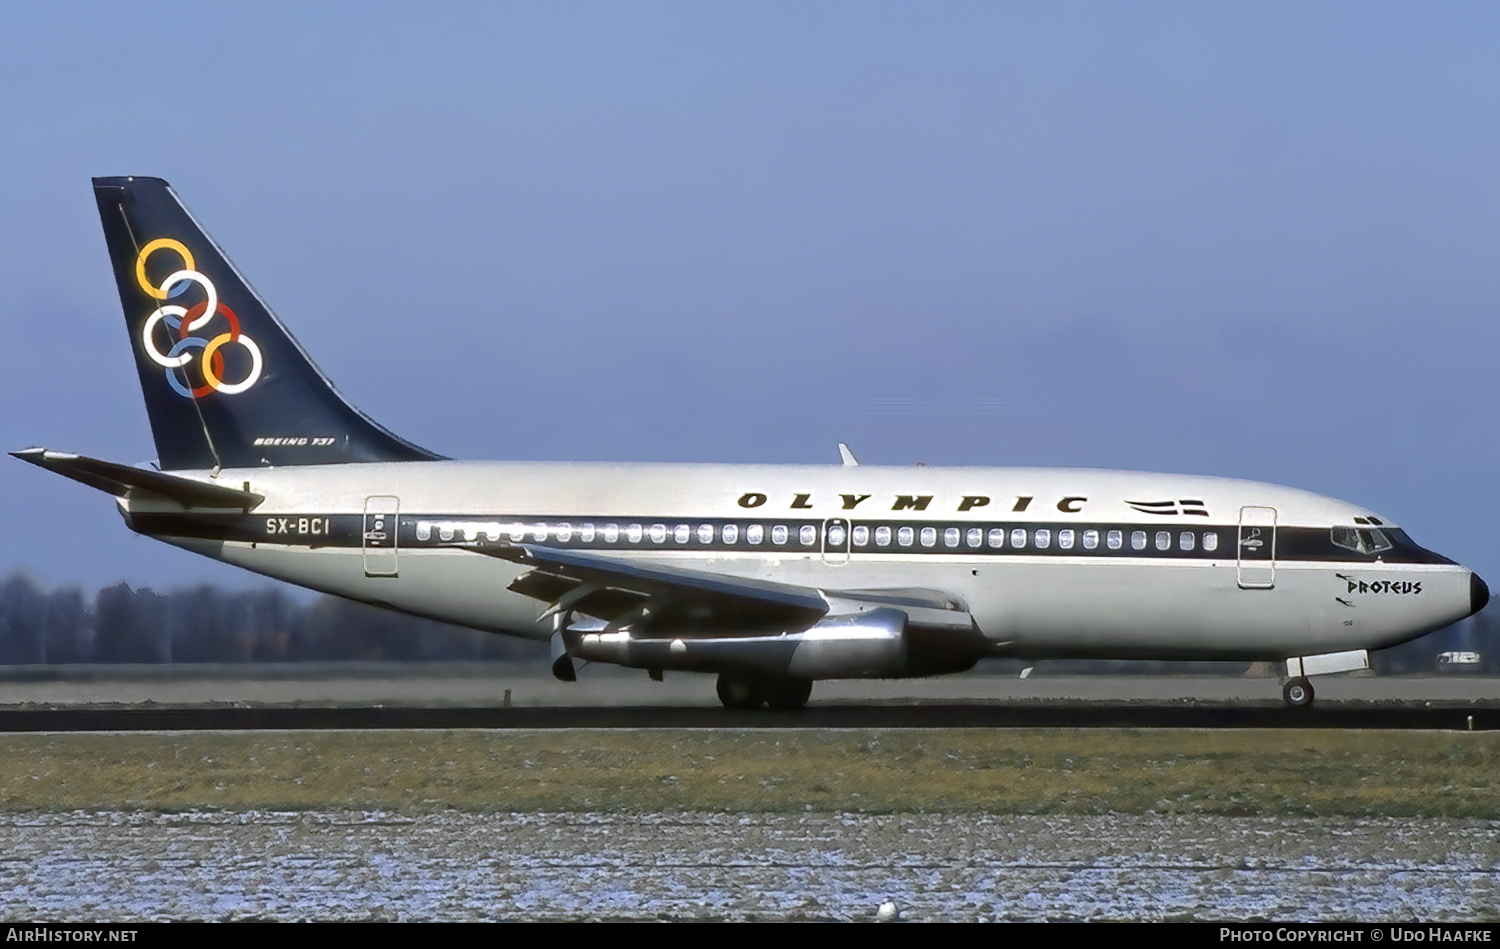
x=181, y=321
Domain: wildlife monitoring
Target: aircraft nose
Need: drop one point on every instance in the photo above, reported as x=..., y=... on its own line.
x=1479, y=593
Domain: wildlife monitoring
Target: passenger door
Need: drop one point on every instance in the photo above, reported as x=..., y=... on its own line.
x=1255, y=552
x=382, y=516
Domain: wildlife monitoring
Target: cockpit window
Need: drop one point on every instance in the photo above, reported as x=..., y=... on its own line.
x=1362, y=540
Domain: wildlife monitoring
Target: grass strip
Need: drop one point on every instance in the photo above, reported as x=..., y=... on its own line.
x=1011, y=771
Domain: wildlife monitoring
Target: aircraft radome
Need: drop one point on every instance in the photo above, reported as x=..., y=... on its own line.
x=771, y=577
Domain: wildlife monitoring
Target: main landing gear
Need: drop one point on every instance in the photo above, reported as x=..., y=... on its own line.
x=739, y=691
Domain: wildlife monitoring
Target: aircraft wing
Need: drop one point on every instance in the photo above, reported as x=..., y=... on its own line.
x=660, y=598
x=124, y=481
x=623, y=592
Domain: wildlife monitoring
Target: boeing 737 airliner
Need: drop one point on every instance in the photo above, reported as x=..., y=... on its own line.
x=769, y=577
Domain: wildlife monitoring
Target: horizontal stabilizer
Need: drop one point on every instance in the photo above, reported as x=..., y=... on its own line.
x=126, y=481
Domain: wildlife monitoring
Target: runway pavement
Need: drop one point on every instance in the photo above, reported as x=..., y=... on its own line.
x=1098, y=715
x=458, y=695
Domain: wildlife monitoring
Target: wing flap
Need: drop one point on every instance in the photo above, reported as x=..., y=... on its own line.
x=677, y=601
x=655, y=596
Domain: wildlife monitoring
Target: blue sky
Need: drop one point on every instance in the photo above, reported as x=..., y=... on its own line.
x=1256, y=240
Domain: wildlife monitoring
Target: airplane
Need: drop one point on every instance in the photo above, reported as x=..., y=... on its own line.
x=770, y=577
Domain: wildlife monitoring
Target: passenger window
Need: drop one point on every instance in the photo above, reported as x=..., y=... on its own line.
x=975, y=537
x=682, y=534
x=1114, y=540
x=1043, y=538
x=1018, y=538
x=882, y=536
x=836, y=535
x=1185, y=540
x=997, y=537
x=904, y=536
x=1163, y=540
x=929, y=536
x=808, y=535
x=445, y=532
x=658, y=533
x=539, y=531
x=755, y=533
x=1210, y=542
x=1137, y=540
x=633, y=533
x=861, y=536
x=586, y=534
x=516, y=532
x=1090, y=539
x=1065, y=539
x=950, y=537
x=564, y=533
x=705, y=533
x=611, y=533
x=779, y=535
x=424, y=530
x=730, y=533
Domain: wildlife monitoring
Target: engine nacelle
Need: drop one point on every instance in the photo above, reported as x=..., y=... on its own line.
x=864, y=645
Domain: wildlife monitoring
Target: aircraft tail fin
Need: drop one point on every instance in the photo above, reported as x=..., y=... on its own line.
x=225, y=384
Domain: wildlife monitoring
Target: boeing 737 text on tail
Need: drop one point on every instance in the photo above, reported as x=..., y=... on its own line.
x=770, y=577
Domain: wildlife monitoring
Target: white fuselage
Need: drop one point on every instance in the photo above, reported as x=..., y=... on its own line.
x=1200, y=567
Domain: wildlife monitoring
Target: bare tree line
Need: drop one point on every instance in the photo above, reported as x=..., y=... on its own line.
x=206, y=624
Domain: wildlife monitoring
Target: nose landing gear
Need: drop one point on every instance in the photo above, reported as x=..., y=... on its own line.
x=1298, y=692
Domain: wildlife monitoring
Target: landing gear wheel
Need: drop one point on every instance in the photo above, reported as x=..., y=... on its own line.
x=1298, y=692
x=788, y=695
x=747, y=692
x=738, y=693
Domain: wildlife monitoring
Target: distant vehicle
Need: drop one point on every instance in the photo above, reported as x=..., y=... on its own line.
x=1458, y=661
x=770, y=577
